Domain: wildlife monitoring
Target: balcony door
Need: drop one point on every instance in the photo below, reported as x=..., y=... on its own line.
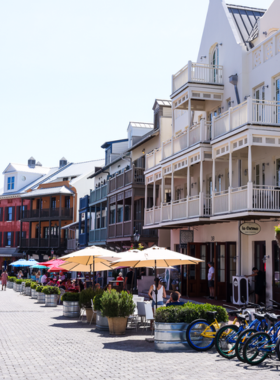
x=259, y=107
x=214, y=62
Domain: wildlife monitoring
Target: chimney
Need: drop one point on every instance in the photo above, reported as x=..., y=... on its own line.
x=31, y=162
x=62, y=162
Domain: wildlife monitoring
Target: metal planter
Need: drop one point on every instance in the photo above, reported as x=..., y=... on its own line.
x=40, y=297
x=33, y=293
x=51, y=300
x=10, y=285
x=18, y=287
x=101, y=322
x=14, y=286
x=27, y=291
x=71, y=309
x=23, y=288
x=171, y=336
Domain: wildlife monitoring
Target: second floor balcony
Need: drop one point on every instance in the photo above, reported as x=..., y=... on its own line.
x=47, y=213
x=52, y=242
x=128, y=177
x=98, y=194
x=98, y=236
x=197, y=73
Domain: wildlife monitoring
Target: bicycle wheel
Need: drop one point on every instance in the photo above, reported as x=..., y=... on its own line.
x=194, y=337
x=240, y=343
x=255, y=349
x=225, y=341
x=277, y=348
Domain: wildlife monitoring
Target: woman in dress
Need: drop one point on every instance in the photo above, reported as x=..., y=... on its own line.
x=4, y=279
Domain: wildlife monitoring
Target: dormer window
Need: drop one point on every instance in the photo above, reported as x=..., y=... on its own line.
x=11, y=183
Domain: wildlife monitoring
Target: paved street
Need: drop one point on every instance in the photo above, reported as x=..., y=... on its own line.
x=39, y=343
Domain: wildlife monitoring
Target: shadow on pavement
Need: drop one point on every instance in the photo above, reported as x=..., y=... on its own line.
x=130, y=345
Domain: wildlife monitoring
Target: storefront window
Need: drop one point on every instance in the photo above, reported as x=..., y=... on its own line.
x=221, y=259
x=112, y=214
x=276, y=267
x=232, y=262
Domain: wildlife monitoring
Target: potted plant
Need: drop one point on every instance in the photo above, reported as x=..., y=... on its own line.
x=117, y=307
x=27, y=289
x=40, y=294
x=101, y=321
x=277, y=235
x=10, y=282
x=71, y=306
x=33, y=287
x=85, y=300
x=171, y=323
x=18, y=285
x=51, y=295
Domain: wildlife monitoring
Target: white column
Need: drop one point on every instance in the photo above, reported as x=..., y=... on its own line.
x=250, y=183
x=201, y=189
x=213, y=184
x=189, y=118
x=230, y=169
x=250, y=163
x=162, y=190
x=154, y=199
x=201, y=176
x=188, y=189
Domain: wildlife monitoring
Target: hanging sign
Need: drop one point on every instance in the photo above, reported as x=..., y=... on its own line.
x=250, y=228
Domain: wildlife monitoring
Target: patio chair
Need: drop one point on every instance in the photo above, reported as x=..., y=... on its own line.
x=133, y=318
x=82, y=314
x=137, y=299
x=141, y=310
x=149, y=315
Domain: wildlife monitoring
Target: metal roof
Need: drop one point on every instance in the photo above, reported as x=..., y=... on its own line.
x=141, y=125
x=26, y=169
x=245, y=19
x=162, y=103
x=108, y=143
x=48, y=191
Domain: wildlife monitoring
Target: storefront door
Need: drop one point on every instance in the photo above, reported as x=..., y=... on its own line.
x=276, y=271
x=225, y=268
x=259, y=261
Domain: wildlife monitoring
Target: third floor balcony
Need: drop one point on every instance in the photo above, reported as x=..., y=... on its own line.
x=98, y=194
x=197, y=73
x=128, y=177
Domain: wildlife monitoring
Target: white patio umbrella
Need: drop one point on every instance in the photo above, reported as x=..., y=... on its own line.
x=154, y=257
x=76, y=267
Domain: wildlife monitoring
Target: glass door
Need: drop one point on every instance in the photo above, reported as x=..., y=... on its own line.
x=260, y=110
x=220, y=269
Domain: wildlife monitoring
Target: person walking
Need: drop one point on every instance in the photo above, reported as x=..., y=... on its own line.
x=160, y=292
x=128, y=282
x=4, y=278
x=259, y=283
x=211, y=276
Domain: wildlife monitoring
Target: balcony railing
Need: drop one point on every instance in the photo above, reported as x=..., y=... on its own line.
x=44, y=243
x=135, y=175
x=84, y=202
x=83, y=239
x=47, y=213
x=99, y=235
x=120, y=230
x=197, y=73
x=252, y=111
x=98, y=194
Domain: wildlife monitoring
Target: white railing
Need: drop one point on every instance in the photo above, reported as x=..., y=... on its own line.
x=194, y=134
x=166, y=211
x=157, y=156
x=266, y=198
x=181, y=120
x=239, y=198
x=153, y=158
x=180, y=142
x=166, y=149
x=251, y=111
x=157, y=214
x=193, y=206
x=179, y=209
x=149, y=216
x=197, y=72
x=207, y=205
x=220, y=201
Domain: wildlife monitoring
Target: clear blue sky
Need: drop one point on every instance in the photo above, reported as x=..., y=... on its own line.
x=74, y=73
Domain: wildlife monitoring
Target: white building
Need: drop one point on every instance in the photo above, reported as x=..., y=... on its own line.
x=221, y=166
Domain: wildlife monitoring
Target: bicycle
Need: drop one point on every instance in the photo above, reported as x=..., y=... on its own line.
x=226, y=337
x=262, y=344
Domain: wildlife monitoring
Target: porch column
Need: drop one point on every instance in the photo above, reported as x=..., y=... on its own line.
x=49, y=236
x=188, y=189
x=20, y=217
x=201, y=190
x=250, y=163
x=154, y=199
x=39, y=233
x=172, y=195
x=60, y=203
x=250, y=183
x=213, y=183
x=189, y=120
x=230, y=181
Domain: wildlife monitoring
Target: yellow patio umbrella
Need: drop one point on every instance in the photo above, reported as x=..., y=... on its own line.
x=76, y=267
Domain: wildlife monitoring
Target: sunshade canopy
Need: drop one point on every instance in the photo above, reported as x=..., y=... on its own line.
x=154, y=257
x=24, y=263
x=91, y=256
x=53, y=262
x=76, y=267
x=38, y=266
x=55, y=268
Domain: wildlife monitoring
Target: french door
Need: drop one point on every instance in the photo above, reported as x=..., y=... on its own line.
x=259, y=261
x=276, y=272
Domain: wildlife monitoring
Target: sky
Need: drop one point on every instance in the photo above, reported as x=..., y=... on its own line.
x=73, y=74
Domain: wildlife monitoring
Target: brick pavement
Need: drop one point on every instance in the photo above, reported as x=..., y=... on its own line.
x=38, y=343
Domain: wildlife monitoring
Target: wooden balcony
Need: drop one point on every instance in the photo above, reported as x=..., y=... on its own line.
x=197, y=73
x=128, y=177
x=97, y=236
x=98, y=194
x=44, y=243
x=64, y=213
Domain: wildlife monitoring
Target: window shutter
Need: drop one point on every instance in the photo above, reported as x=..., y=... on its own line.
x=6, y=214
x=17, y=238
x=5, y=239
x=1, y=214
x=18, y=213
x=13, y=213
x=12, y=239
x=0, y=239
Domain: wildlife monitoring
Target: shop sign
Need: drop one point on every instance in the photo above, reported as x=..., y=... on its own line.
x=250, y=228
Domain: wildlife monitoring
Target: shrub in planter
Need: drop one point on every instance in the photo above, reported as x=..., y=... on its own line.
x=39, y=288
x=50, y=290
x=19, y=281
x=188, y=313
x=86, y=296
x=12, y=278
x=117, y=307
x=33, y=285
x=27, y=284
x=97, y=300
x=71, y=297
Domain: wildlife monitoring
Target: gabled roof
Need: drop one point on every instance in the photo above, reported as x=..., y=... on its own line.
x=245, y=19
x=162, y=103
x=48, y=191
x=25, y=168
x=109, y=143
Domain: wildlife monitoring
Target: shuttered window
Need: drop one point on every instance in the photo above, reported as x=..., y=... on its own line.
x=1, y=243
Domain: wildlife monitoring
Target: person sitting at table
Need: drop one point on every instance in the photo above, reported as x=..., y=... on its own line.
x=20, y=274
x=108, y=288
x=44, y=279
x=38, y=275
x=97, y=285
x=119, y=278
x=68, y=284
x=174, y=300
x=61, y=276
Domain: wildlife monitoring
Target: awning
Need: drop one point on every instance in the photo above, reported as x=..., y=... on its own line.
x=75, y=224
x=10, y=252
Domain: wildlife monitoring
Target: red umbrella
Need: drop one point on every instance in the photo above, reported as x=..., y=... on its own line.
x=53, y=262
x=56, y=268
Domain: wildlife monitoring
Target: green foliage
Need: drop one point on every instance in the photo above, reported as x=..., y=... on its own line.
x=19, y=281
x=12, y=278
x=27, y=284
x=116, y=304
x=73, y=297
x=97, y=300
x=189, y=312
x=33, y=285
x=39, y=288
x=277, y=228
x=50, y=290
x=86, y=296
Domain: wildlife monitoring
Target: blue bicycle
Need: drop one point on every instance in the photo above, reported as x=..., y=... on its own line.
x=261, y=344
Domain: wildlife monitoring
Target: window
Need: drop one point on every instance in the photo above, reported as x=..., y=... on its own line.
x=39, y=204
x=257, y=175
x=9, y=239
x=277, y=173
x=65, y=179
x=11, y=183
x=112, y=214
x=46, y=232
x=67, y=202
x=214, y=61
x=120, y=213
x=228, y=103
x=10, y=214
x=53, y=203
